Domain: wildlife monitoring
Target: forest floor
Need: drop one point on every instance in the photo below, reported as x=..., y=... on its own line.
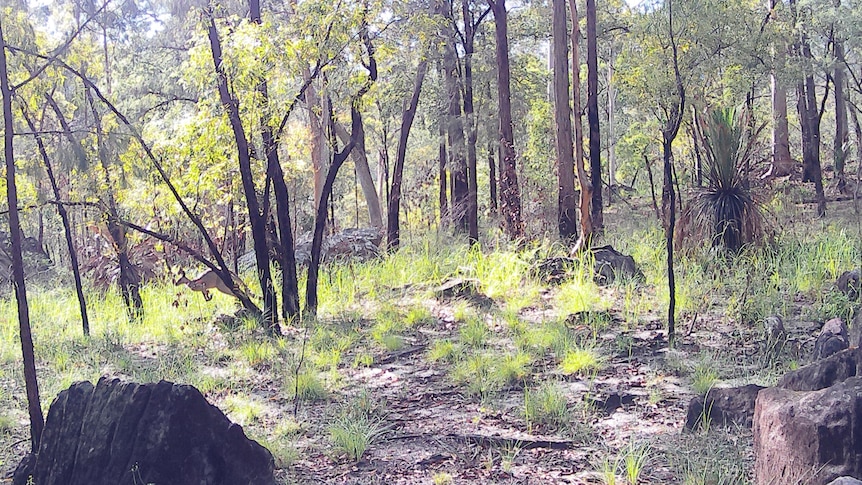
x=522, y=382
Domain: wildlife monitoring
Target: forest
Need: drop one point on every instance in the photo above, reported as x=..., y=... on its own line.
x=442, y=241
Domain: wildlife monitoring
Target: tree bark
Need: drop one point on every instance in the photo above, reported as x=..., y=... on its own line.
x=64, y=217
x=566, y=212
x=363, y=172
x=586, y=186
x=442, y=162
x=255, y=217
x=782, y=161
x=286, y=257
x=31, y=384
x=394, y=230
x=472, y=185
x=841, y=132
x=510, y=198
x=492, y=178
x=129, y=280
x=455, y=127
x=593, y=117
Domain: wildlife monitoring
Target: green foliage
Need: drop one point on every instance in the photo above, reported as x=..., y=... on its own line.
x=353, y=432
x=580, y=360
x=725, y=211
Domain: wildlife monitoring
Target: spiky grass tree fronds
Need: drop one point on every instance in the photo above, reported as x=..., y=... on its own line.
x=725, y=211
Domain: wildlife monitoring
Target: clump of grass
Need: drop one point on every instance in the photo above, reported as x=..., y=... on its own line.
x=703, y=378
x=257, y=353
x=514, y=368
x=579, y=360
x=546, y=405
x=474, y=332
x=418, y=316
x=577, y=295
x=477, y=373
x=243, y=410
x=442, y=478
x=306, y=386
x=444, y=350
x=636, y=457
x=353, y=433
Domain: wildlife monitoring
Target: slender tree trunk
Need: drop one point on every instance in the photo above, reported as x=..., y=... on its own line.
x=255, y=217
x=455, y=132
x=593, y=117
x=442, y=161
x=30, y=382
x=586, y=185
x=566, y=212
x=472, y=184
x=841, y=132
x=394, y=230
x=612, y=158
x=129, y=280
x=67, y=229
x=286, y=257
x=363, y=173
x=510, y=198
x=782, y=161
x=492, y=176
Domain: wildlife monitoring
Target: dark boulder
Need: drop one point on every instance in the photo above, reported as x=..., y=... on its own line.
x=723, y=406
x=824, y=373
x=127, y=433
x=845, y=481
x=832, y=339
x=848, y=283
x=610, y=264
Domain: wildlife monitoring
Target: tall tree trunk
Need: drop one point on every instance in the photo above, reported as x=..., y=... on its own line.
x=566, y=212
x=492, y=177
x=455, y=129
x=64, y=217
x=286, y=257
x=129, y=280
x=510, y=198
x=407, y=115
x=363, y=173
x=841, y=132
x=782, y=161
x=255, y=217
x=30, y=382
x=442, y=162
x=612, y=156
x=593, y=116
x=472, y=184
x=586, y=186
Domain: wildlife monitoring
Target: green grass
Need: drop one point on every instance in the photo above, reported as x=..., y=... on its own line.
x=353, y=433
x=306, y=386
x=546, y=405
x=474, y=332
x=581, y=360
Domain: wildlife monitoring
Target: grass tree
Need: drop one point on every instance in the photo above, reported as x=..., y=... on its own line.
x=725, y=211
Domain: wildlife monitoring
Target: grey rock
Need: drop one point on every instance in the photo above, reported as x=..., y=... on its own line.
x=824, y=373
x=848, y=283
x=723, y=406
x=845, y=481
x=832, y=339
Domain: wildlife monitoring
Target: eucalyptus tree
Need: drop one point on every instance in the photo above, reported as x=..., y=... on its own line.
x=593, y=117
x=510, y=197
x=34, y=407
x=566, y=213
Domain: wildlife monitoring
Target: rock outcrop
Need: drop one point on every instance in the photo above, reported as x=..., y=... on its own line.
x=809, y=437
x=123, y=433
x=723, y=406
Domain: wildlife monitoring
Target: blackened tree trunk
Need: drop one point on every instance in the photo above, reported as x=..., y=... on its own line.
x=586, y=186
x=492, y=177
x=455, y=131
x=593, y=117
x=255, y=217
x=566, y=212
x=510, y=197
x=394, y=230
x=669, y=132
x=31, y=384
x=286, y=256
x=470, y=25
x=64, y=217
